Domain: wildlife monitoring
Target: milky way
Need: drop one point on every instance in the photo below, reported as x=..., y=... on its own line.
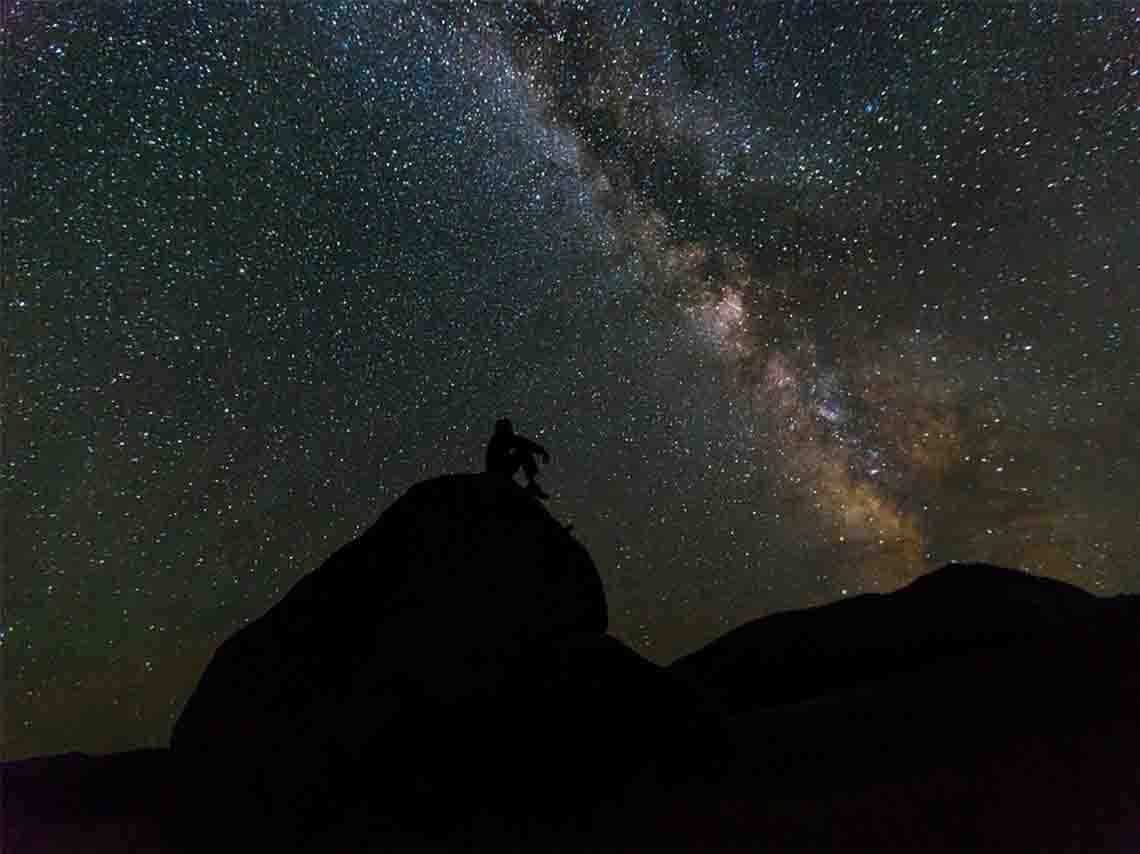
x=780, y=223
x=804, y=299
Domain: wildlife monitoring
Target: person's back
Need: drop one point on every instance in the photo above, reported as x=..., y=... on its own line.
x=499, y=450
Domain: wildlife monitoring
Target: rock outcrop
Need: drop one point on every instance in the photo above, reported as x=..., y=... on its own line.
x=450, y=663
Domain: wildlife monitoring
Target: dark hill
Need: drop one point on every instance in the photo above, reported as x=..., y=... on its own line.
x=794, y=656
x=1027, y=745
x=960, y=711
x=76, y=802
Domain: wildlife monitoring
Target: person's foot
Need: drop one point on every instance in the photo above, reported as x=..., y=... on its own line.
x=536, y=490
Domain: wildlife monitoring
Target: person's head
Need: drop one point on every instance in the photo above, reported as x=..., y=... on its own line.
x=503, y=425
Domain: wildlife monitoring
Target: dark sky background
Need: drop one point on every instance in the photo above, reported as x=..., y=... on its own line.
x=805, y=300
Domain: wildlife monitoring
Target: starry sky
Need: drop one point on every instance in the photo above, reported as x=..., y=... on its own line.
x=804, y=300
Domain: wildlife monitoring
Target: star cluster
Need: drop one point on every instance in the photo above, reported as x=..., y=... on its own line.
x=805, y=299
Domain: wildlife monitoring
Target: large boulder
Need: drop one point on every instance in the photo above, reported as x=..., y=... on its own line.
x=451, y=660
x=581, y=732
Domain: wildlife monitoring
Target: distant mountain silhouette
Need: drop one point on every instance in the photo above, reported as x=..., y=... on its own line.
x=445, y=680
x=968, y=663
x=798, y=655
x=75, y=802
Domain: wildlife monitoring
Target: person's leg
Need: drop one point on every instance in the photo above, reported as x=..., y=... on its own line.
x=530, y=469
x=529, y=466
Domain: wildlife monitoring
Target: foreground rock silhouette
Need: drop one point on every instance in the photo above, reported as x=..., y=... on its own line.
x=445, y=680
x=449, y=667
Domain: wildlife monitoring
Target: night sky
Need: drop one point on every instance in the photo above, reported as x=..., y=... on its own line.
x=804, y=300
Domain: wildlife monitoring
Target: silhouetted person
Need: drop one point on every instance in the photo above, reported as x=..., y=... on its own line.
x=507, y=452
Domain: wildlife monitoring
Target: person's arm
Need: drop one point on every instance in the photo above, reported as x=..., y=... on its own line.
x=533, y=447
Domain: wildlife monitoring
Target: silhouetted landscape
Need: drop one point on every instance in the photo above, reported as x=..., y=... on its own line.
x=446, y=680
